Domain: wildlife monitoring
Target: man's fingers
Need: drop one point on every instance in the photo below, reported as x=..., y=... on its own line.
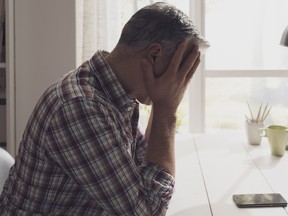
x=189, y=61
x=193, y=69
x=177, y=56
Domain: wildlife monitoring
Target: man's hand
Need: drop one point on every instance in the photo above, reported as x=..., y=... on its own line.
x=167, y=91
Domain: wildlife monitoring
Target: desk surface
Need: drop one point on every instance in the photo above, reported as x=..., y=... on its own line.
x=211, y=168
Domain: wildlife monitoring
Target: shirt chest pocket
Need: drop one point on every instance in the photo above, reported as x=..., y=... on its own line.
x=127, y=139
x=124, y=134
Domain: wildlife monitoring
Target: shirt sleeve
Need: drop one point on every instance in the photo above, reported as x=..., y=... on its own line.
x=83, y=140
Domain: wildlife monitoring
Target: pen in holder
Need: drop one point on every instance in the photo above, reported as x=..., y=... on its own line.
x=253, y=124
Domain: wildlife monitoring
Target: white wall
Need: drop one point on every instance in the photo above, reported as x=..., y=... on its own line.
x=45, y=49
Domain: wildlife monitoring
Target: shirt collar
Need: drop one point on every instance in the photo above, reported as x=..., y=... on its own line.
x=109, y=82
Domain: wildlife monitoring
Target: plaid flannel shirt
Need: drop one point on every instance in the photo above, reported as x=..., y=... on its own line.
x=82, y=154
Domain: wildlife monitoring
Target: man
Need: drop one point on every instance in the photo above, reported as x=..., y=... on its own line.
x=82, y=153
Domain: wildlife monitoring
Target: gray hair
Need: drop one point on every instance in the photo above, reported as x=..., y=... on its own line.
x=159, y=23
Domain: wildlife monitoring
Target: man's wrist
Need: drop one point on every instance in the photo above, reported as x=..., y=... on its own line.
x=165, y=112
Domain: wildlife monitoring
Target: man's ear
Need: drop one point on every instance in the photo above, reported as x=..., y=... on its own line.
x=153, y=52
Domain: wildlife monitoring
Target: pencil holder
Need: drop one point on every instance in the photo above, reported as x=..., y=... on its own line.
x=252, y=132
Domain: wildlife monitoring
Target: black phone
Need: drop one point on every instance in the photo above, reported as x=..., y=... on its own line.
x=259, y=200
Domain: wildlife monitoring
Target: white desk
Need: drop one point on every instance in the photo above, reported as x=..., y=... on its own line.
x=211, y=168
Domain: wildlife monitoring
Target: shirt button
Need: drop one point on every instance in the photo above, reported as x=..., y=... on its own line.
x=129, y=109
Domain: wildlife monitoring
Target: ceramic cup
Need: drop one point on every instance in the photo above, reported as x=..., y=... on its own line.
x=252, y=132
x=277, y=137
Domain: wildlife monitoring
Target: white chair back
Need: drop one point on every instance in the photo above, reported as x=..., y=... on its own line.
x=6, y=161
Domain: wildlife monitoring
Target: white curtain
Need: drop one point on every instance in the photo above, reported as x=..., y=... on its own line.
x=98, y=26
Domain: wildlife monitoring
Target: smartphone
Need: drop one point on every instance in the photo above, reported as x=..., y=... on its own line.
x=259, y=200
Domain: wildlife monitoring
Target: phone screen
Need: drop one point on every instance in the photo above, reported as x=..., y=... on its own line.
x=259, y=200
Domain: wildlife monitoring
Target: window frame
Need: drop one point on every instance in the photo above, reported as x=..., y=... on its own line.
x=197, y=88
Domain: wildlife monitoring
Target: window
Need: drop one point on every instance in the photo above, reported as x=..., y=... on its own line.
x=245, y=62
x=245, y=34
x=226, y=101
